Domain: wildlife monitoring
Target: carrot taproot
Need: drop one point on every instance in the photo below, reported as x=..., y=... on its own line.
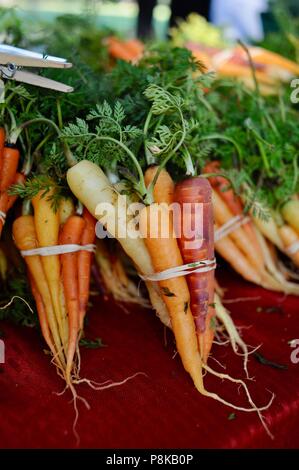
x=84, y=263
x=234, y=203
x=244, y=243
x=47, y=230
x=10, y=162
x=195, y=198
x=71, y=234
x=289, y=237
x=163, y=190
x=235, y=257
x=25, y=238
x=165, y=254
x=273, y=278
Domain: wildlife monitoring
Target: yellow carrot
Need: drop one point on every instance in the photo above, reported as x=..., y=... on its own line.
x=47, y=229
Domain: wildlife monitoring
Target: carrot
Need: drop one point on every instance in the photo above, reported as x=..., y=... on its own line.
x=25, y=238
x=6, y=201
x=84, y=263
x=229, y=69
x=235, y=257
x=42, y=314
x=164, y=187
x=47, y=230
x=289, y=236
x=233, y=202
x=165, y=254
x=290, y=213
x=65, y=210
x=10, y=162
x=221, y=185
x=244, y=243
x=268, y=228
x=118, y=50
x=197, y=193
x=90, y=185
x=136, y=47
x=71, y=233
x=273, y=60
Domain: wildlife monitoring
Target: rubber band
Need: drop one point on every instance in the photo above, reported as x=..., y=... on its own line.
x=203, y=266
x=292, y=249
x=230, y=226
x=58, y=250
x=2, y=217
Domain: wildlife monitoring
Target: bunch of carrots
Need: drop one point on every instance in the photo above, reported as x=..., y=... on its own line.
x=250, y=248
x=59, y=283
x=271, y=69
x=188, y=303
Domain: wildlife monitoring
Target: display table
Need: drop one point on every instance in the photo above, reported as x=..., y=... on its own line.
x=161, y=409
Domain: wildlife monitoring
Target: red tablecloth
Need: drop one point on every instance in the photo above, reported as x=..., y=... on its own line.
x=161, y=409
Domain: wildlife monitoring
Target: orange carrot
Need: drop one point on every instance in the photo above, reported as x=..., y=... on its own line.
x=42, y=314
x=136, y=47
x=72, y=232
x=197, y=193
x=272, y=59
x=240, y=237
x=11, y=156
x=164, y=187
x=289, y=237
x=234, y=203
x=221, y=184
x=6, y=201
x=118, y=50
x=165, y=254
x=84, y=263
x=231, y=253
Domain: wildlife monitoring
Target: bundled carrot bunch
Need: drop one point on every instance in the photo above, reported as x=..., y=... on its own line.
x=271, y=69
x=209, y=45
x=157, y=139
x=57, y=248
x=243, y=240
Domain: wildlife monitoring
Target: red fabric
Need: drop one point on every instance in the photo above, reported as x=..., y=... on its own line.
x=161, y=409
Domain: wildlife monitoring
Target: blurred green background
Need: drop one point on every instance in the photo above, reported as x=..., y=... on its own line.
x=120, y=15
